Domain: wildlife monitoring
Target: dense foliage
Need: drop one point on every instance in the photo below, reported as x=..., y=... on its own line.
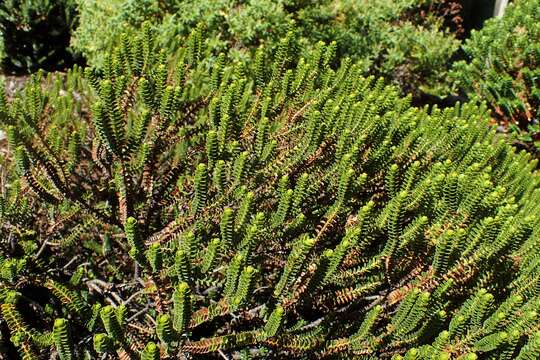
x=35, y=34
x=413, y=44
x=296, y=210
x=503, y=67
x=404, y=41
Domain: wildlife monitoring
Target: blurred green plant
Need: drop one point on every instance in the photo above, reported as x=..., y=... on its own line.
x=35, y=34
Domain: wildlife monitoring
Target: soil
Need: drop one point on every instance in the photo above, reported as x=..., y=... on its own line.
x=14, y=83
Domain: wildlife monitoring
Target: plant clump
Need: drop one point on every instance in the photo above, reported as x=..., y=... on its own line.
x=160, y=209
x=503, y=69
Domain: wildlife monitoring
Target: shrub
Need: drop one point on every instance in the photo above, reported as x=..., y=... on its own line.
x=503, y=67
x=403, y=41
x=291, y=211
x=101, y=22
x=35, y=34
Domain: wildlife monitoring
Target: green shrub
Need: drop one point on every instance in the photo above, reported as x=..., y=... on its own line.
x=394, y=39
x=102, y=21
x=291, y=211
x=401, y=40
x=35, y=34
x=503, y=67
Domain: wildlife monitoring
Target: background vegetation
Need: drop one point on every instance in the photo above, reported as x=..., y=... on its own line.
x=503, y=68
x=405, y=41
x=35, y=34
